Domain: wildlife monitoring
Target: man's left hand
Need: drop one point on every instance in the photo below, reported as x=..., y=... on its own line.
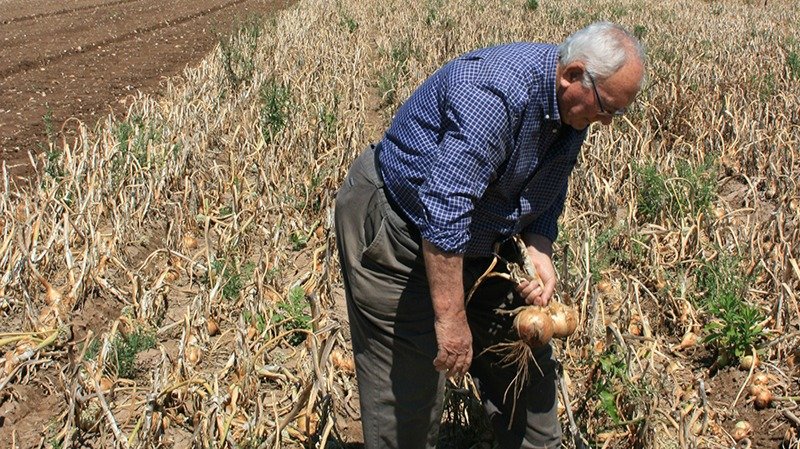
x=540, y=250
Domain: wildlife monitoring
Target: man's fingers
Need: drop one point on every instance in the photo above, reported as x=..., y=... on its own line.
x=533, y=293
x=454, y=364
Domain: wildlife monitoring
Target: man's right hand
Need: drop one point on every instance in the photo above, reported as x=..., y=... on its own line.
x=453, y=337
x=455, y=344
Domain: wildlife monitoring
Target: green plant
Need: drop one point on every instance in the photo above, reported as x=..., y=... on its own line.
x=256, y=319
x=276, y=104
x=615, y=246
x=49, y=127
x=291, y=315
x=691, y=191
x=639, y=31
x=134, y=136
x=92, y=349
x=327, y=118
x=348, y=23
x=123, y=351
x=793, y=61
x=53, y=166
x=238, y=51
x=389, y=79
x=618, y=12
x=615, y=398
x=735, y=326
x=387, y=87
x=610, y=382
x=234, y=278
x=532, y=5
x=299, y=240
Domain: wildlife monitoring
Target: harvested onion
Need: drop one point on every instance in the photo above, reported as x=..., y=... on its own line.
x=741, y=430
x=534, y=326
x=565, y=319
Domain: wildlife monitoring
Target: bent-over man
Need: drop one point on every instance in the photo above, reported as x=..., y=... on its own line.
x=480, y=152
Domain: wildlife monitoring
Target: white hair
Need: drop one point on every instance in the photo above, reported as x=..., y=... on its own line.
x=603, y=46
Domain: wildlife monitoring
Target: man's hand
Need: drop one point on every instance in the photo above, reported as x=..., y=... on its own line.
x=540, y=251
x=453, y=336
x=455, y=345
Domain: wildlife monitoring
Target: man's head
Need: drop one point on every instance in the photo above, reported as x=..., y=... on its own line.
x=600, y=71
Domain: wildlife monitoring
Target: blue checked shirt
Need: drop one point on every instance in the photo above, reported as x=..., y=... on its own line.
x=478, y=152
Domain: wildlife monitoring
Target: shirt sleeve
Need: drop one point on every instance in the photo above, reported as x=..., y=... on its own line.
x=476, y=123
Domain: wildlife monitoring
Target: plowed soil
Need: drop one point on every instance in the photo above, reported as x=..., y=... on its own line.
x=82, y=58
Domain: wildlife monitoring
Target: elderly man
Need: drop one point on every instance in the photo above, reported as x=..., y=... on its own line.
x=480, y=152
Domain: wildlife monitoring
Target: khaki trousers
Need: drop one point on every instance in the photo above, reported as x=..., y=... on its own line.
x=391, y=322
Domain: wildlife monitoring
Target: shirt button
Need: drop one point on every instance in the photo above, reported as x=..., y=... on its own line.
x=555, y=130
x=547, y=117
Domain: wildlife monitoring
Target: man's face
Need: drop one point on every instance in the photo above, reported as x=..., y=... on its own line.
x=581, y=105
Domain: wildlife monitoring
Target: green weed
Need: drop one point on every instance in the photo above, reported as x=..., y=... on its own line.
x=291, y=314
x=49, y=127
x=348, y=23
x=234, y=277
x=639, y=31
x=299, y=240
x=275, y=108
x=532, y=5
x=618, y=12
x=256, y=319
x=767, y=86
x=618, y=397
x=238, y=52
x=327, y=118
x=693, y=190
x=615, y=247
x=124, y=349
x=134, y=136
x=53, y=166
x=793, y=61
x=734, y=327
x=389, y=79
x=92, y=350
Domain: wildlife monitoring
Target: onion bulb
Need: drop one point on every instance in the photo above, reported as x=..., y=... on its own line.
x=212, y=327
x=534, y=326
x=748, y=361
x=762, y=397
x=741, y=430
x=565, y=320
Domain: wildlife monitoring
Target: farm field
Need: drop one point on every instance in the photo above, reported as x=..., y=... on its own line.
x=168, y=277
x=86, y=58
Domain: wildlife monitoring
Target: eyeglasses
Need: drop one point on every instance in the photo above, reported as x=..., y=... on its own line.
x=617, y=113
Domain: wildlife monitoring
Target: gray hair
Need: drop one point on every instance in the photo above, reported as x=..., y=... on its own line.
x=603, y=46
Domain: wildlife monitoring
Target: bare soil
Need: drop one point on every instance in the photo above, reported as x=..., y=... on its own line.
x=83, y=58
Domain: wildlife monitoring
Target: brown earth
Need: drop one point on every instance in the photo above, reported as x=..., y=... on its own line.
x=82, y=58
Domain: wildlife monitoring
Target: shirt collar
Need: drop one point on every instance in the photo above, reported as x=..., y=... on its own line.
x=549, y=100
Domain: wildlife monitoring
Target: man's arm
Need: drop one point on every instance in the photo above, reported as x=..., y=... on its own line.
x=540, y=250
x=453, y=337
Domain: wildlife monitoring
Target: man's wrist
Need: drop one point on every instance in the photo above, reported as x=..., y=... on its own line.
x=539, y=242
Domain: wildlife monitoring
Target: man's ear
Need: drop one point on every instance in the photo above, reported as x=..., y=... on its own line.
x=572, y=72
